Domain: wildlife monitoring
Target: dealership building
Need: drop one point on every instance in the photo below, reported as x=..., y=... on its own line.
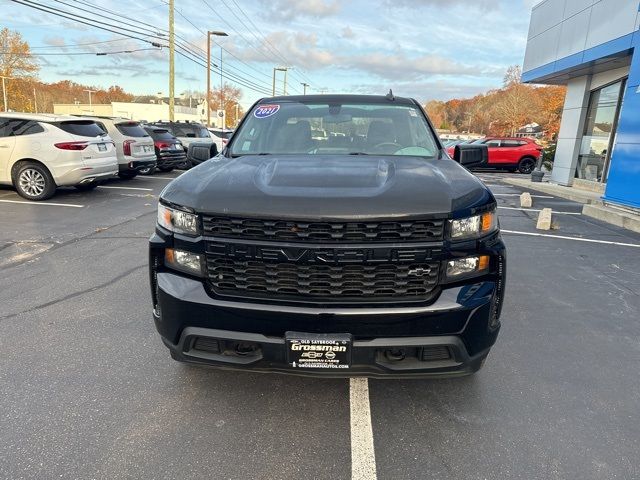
x=592, y=47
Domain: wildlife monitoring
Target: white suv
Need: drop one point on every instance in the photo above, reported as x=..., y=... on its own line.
x=41, y=152
x=134, y=147
x=220, y=137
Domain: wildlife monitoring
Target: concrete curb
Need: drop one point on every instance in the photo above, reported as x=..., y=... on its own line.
x=613, y=216
x=593, y=207
x=580, y=196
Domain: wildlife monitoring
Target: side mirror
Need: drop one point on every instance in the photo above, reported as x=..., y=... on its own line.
x=471, y=155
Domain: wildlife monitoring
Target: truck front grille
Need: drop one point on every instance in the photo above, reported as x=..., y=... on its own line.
x=368, y=281
x=305, y=231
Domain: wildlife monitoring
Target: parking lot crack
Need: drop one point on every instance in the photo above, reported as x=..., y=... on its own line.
x=76, y=294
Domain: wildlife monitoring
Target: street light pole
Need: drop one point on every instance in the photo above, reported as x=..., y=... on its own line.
x=217, y=34
x=304, y=86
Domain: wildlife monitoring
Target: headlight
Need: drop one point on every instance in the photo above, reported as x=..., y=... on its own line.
x=473, y=227
x=184, y=261
x=467, y=266
x=177, y=221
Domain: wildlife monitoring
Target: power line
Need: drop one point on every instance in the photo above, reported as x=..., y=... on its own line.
x=159, y=33
x=262, y=53
x=77, y=45
x=100, y=54
x=105, y=26
x=266, y=40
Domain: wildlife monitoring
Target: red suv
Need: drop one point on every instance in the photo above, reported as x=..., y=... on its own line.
x=512, y=153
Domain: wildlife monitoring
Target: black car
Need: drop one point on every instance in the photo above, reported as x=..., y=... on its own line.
x=368, y=251
x=169, y=151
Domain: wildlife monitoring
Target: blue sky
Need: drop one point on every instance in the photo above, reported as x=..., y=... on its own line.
x=427, y=49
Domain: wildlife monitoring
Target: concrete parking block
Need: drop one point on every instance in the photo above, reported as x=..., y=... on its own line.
x=525, y=200
x=544, y=219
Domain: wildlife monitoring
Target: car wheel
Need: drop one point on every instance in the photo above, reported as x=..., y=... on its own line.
x=85, y=187
x=34, y=182
x=127, y=175
x=147, y=171
x=526, y=165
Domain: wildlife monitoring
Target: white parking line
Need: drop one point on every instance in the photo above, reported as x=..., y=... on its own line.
x=158, y=178
x=577, y=239
x=128, y=188
x=51, y=204
x=518, y=194
x=363, y=458
x=538, y=210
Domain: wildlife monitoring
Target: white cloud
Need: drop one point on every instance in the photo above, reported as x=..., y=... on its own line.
x=290, y=9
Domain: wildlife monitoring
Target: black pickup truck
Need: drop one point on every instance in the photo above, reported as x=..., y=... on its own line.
x=363, y=250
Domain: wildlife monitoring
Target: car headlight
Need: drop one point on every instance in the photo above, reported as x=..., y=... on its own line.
x=467, y=266
x=184, y=261
x=473, y=227
x=177, y=221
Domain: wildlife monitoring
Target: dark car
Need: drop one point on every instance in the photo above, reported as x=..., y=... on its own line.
x=169, y=151
x=366, y=252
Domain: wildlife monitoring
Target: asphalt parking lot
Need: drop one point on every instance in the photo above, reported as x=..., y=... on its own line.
x=87, y=390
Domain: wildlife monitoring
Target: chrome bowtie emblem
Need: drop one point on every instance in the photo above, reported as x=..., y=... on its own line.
x=419, y=272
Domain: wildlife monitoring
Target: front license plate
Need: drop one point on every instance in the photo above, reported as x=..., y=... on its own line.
x=318, y=351
x=102, y=147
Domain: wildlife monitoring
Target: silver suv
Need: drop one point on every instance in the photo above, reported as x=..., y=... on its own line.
x=134, y=146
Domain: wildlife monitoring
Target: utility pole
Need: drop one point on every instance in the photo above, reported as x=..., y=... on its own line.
x=224, y=119
x=172, y=51
x=90, y=104
x=304, y=87
x=285, y=80
x=279, y=69
x=4, y=93
x=217, y=34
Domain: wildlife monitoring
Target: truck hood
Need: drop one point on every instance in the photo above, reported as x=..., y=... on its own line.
x=328, y=187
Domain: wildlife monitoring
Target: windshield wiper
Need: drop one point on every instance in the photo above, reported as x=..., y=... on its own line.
x=358, y=153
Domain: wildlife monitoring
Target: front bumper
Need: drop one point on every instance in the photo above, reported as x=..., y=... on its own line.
x=457, y=321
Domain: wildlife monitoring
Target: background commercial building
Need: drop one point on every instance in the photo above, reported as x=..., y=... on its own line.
x=150, y=112
x=592, y=47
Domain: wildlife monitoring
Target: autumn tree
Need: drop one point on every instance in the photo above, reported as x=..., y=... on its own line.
x=227, y=99
x=513, y=76
x=16, y=63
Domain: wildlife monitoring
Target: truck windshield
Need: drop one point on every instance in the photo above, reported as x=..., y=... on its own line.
x=334, y=129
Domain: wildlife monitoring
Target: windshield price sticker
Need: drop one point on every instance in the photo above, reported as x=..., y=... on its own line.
x=319, y=352
x=265, y=111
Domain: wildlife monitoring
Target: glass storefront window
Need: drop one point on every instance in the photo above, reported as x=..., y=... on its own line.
x=599, y=130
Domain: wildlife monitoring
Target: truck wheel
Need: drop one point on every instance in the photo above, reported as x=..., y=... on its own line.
x=127, y=175
x=34, y=182
x=526, y=165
